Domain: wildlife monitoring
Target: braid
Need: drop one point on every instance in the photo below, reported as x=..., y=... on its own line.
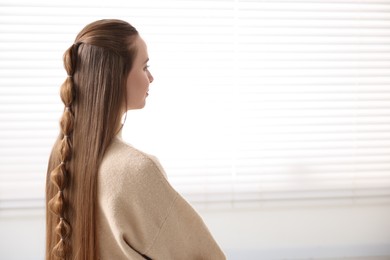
x=60, y=175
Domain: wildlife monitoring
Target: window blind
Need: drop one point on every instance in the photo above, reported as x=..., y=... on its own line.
x=253, y=101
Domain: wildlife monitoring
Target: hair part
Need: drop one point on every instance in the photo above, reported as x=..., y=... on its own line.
x=93, y=94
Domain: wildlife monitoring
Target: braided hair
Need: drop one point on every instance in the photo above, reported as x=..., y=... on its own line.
x=93, y=93
x=59, y=175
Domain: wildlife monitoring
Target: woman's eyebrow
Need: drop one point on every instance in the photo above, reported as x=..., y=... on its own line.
x=146, y=61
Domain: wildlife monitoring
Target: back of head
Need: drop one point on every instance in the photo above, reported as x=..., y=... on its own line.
x=97, y=65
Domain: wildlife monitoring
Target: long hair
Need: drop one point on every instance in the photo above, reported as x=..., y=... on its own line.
x=93, y=94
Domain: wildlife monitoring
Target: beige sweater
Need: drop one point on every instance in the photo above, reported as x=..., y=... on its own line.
x=139, y=213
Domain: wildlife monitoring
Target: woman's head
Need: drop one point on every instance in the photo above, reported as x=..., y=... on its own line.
x=104, y=81
x=113, y=63
x=106, y=52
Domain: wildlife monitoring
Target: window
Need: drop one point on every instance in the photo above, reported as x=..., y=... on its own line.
x=253, y=101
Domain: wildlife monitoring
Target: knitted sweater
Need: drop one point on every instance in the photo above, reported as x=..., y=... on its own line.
x=141, y=216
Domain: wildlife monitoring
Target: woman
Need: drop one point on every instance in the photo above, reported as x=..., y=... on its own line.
x=106, y=199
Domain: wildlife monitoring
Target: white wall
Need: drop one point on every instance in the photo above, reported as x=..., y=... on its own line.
x=261, y=233
x=304, y=232
x=22, y=234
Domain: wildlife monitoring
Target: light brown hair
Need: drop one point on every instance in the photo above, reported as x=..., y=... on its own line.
x=94, y=97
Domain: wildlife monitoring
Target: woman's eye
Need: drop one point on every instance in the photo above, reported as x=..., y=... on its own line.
x=146, y=67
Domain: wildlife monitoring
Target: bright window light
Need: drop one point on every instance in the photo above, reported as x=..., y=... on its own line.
x=253, y=101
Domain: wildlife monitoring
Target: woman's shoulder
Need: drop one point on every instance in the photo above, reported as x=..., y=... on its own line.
x=123, y=163
x=129, y=178
x=119, y=152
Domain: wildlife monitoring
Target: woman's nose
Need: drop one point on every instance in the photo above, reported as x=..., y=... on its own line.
x=150, y=77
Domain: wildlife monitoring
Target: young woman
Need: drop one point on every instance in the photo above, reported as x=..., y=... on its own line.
x=105, y=199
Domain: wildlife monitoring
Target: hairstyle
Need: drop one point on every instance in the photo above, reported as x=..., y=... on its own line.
x=94, y=94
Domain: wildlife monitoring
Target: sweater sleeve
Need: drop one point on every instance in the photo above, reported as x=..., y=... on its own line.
x=183, y=235
x=146, y=215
